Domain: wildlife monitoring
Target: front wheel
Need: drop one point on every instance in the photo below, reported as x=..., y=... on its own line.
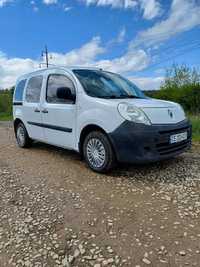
x=98, y=152
x=22, y=137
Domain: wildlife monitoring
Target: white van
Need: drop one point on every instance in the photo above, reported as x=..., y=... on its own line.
x=101, y=115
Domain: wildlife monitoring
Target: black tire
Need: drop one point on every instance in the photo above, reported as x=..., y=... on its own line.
x=23, y=140
x=107, y=156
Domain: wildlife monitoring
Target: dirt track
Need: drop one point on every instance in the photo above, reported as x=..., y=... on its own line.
x=55, y=212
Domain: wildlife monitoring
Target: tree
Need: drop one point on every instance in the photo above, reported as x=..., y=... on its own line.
x=178, y=76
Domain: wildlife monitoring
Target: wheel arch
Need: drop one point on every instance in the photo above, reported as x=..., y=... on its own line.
x=88, y=129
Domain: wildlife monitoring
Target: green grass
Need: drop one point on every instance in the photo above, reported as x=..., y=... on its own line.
x=5, y=117
x=195, y=120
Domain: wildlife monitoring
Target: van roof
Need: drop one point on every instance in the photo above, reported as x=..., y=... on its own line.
x=55, y=67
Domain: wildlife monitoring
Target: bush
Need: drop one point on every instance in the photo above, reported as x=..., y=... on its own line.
x=187, y=95
x=182, y=85
x=5, y=102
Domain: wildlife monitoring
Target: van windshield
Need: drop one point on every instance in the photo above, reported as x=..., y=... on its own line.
x=103, y=84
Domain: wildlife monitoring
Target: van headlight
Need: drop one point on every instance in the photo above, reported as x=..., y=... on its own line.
x=132, y=113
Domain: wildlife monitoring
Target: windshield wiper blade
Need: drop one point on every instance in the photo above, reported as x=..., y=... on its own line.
x=109, y=96
x=129, y=96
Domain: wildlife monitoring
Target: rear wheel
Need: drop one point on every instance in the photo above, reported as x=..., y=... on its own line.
x=22, y=137
x=98, y=152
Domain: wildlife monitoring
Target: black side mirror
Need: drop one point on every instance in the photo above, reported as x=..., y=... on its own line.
x=65, y=93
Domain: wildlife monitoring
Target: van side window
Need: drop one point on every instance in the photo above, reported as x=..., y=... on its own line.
x=19, y=90
x=33, y=89
x=55, y=82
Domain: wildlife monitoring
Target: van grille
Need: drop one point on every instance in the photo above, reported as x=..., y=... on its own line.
x=163, y=145
x=165, y=149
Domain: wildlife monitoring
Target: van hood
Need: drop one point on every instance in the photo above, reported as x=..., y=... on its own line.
x=151, y=103
x=158, y=111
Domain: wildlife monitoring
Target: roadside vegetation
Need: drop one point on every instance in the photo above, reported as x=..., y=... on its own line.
x=182, y=85
x=195, y=120
x=6, y=104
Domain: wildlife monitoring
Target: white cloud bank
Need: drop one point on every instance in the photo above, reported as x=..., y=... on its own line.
x=133, y=60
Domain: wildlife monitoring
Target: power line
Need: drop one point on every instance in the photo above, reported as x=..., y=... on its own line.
x=172, y=57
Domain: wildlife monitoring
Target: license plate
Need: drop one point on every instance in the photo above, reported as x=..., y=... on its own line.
x=176, y=138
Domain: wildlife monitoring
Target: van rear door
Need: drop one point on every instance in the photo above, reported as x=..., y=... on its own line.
x=32, y=108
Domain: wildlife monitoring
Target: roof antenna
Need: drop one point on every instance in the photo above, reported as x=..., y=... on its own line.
x=45, y=54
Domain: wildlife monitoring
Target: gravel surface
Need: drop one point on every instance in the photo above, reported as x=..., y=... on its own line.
x=54, y=211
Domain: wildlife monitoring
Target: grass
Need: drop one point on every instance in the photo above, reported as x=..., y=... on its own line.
x=5, y=117
x=195, y=120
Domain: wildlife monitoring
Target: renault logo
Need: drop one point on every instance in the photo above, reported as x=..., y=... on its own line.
x=170, y=113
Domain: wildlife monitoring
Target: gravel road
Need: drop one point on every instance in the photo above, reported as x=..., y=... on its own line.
x=54, y=211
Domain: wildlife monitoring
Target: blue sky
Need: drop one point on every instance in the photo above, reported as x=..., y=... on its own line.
x=137, y=38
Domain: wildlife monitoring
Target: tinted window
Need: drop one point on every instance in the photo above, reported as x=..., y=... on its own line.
x=56, y=81
x=19, y=90
x=33, y=89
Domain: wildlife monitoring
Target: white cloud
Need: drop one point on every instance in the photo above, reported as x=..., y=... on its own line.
x=150, y=8
x=67, y=8
x=121, y=36
x=50, y=2
x=112, y=3
x=34, y=6
x=147, y=83
x=82, y=56
x=119, y=39
x=183, y=16
x=10, y=69
x=4, y=2
x=133, y=60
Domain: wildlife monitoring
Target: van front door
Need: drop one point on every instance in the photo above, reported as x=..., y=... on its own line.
x=31, y=108
x=59, y=111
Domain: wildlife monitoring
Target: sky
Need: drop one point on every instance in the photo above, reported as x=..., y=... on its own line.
x=139, y=39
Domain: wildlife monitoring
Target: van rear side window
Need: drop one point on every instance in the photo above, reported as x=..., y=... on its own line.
x=33, y=89
x=19, y=90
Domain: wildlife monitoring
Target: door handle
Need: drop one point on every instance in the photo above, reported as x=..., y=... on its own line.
x=37, y=110
x=45, y=111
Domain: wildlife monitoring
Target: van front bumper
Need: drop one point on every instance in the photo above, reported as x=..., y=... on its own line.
x=138, y=143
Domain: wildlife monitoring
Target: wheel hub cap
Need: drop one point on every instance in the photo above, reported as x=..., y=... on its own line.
x=20, y=135
x=96, y=153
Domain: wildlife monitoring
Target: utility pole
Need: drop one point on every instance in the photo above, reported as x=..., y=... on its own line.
x=45, y=54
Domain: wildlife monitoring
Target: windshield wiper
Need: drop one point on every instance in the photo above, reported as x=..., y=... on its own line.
x=130, y=96
x=108, y=96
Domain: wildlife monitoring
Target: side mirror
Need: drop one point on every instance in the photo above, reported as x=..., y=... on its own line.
x=65, y=93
